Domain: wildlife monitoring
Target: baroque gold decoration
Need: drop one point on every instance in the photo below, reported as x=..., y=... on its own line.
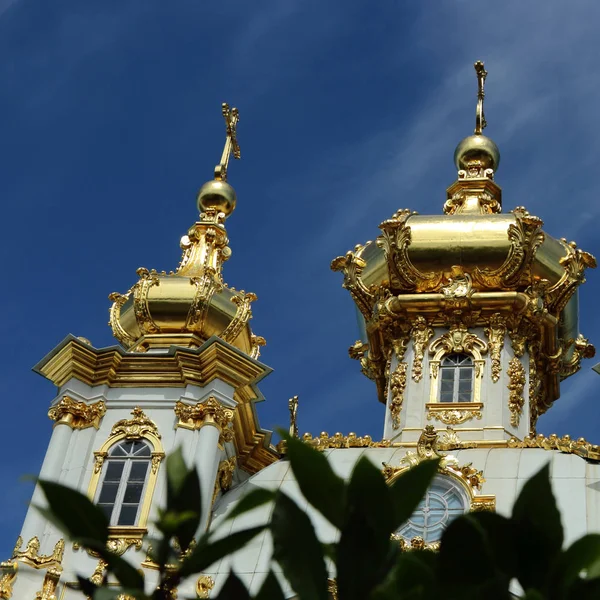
x=416, y=543
x=8, y=575
x=420, y=334
x=224, y=477
x=31, y=555
x=204, y=585
x=397, y=387
x=332, y=589
x=97, y=576
x=293, y=408
x=77, y=415
x=525, y=236
x=116, y=545
x=458, y=413
x=51, y=579
x=209, y=412
x=516, y=385
x=135, y=428
x=495, y=334
x=257, y=341
x=395, y=240
x=324, y=441
x=580, y=447
x=581, y=349
x=352, y=265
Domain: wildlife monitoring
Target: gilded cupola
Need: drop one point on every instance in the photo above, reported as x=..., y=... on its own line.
x=187, y=306
x=473, y=272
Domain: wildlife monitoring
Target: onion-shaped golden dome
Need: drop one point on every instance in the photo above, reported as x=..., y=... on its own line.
x=188, y=306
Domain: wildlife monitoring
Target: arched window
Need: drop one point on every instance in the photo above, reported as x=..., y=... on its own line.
x=457, y=378
x=443, y=502
x=123, y=483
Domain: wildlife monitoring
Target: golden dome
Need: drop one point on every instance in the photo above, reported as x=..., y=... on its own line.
x=188, y=306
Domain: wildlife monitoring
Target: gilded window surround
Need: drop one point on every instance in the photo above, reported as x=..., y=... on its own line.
x=454, y=413
x=139, y=427
x=456, y=340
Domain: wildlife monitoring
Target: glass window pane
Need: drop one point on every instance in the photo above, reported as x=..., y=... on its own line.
x=466, y=397
x=464, y=386
x=447, y=374
x=138, y=470
x=108, y=493
x=114, y=470
x=118, y=451
x=465, y=373
x=127, y=515
x=447, y=386
x=446, y=397
x=140, y=449
x=107, y=510
x=133, y=493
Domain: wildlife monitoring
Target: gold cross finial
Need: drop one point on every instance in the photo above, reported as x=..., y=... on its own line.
x=293, y=406
x=480, y=122
x=232, y=117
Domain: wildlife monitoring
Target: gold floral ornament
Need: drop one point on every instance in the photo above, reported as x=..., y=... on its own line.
x=516, y=385
x=416, y=543
x=204, y=585
x=496, y=333
x=461, y=412
x=135, y=428
x=51, y=579
x=77, y=415
x=420, y=333
x=224, y=477
x=397, y=387
x=8, y=576
x=116, y=545
x=580, y=447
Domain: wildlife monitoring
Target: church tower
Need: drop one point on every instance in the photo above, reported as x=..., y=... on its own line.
x=184, y=375
x=470, y=317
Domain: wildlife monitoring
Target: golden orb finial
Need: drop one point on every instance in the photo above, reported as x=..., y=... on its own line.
x=478, y=150
x=218, y=194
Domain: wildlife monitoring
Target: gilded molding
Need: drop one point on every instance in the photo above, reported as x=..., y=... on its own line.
x=352, y=265
x=206, y=286
x=516, y=385
x=31, y=555
x=394, y=241
x=51, y=579
x=582, y=349
x=77, y=415
x=416, y=543
x=455, y=413
x=495, y=334
x=209, y=412
x=141, y=310
x=420, y=333
x=324, y=441
x=397, y=387
x=204, y=584
x=118, y=300
x=580, y=447
x=525, y=236
x=257, y=341
x=459, y=340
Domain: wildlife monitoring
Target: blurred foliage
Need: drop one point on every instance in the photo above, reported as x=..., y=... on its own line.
x=482, y=554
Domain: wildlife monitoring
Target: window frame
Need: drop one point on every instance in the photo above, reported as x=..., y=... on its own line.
x=456, y=370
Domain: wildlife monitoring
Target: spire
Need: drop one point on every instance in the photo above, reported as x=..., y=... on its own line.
x=476, y=157
x=217, y=194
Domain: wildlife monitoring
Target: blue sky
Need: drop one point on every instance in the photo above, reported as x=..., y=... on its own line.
x=349, y=111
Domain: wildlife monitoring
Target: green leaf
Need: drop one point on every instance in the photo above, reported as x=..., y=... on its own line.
x=297, y=549
x=182, y=516
x=582, y=555
x=209, y=552
x=410, y=487
x=72, y=513
x=365, y=551
x=233, y=589
x=466, y=541
x=316, y=479
x=537, y=521
x=413, y=576
x=270, y=589
x=250, y=501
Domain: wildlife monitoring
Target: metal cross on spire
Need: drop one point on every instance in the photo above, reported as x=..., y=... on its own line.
x=480, y=122
x=232, y=117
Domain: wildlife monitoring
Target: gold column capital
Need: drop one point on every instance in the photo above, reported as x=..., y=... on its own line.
x=210, y=412
x=77, y=415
